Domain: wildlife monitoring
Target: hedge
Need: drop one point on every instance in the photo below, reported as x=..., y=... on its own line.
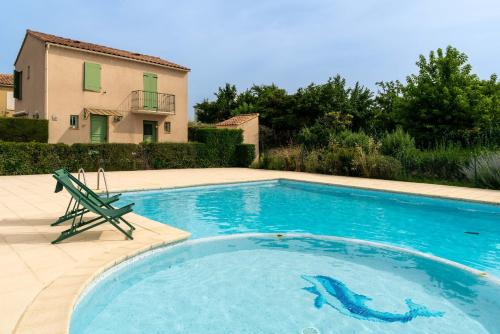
x=221, y=144
x=24, y=130
x=244, y=155
x=41, y=158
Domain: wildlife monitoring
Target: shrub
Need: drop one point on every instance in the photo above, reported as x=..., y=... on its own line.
x=174, y=155
x=484, y=171
x=398, y=144
x=221, y=143
x=24, y=130
x=36, y=158
x=444, y=162
x=381, y=167
x=313, y=162
x=349, y=139
x=244, y=155
x=288, y=158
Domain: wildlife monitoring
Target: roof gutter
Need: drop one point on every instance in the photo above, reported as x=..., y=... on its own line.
x=119, y=57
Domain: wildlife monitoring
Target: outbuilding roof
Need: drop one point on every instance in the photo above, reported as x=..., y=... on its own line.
x=47, y=38
x=6, y=80
x=238, y=120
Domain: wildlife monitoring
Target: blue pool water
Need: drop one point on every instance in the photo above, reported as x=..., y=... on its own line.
x=429, y=225
x=262, y=284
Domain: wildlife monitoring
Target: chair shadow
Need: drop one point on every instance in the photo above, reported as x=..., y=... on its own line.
x=39, y=231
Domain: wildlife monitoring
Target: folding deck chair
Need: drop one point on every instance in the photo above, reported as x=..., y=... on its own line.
x=88, y=201
x=72, y=209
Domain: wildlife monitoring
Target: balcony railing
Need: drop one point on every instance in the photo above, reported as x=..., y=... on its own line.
x=142, y=101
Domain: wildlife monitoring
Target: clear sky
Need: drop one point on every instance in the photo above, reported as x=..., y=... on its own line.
x=289, y=43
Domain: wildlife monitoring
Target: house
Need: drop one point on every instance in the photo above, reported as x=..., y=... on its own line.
x=249, y=123
x=96, y=94
x=6, y=95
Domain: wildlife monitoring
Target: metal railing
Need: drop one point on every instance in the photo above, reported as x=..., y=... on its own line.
x=152, y=101
x=99, y=172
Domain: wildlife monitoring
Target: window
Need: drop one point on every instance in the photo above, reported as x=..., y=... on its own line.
x=10, y=101
x=167, y=126
x=92, y=77
x=29, y=73
x=73, y=121
x=18, y=84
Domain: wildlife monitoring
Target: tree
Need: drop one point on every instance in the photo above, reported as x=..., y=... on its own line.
x=444, y=101
x=387, y=104
x=220, y=109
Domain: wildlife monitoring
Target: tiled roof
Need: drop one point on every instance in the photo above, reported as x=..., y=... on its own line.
x=6, y=80
x=237, y=120
x=102, y=49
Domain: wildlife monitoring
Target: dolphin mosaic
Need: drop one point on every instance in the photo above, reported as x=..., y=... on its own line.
x=337, y=295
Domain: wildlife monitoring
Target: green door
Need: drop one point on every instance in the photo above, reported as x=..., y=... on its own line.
x=98, y=129
x=150, y=91
x=149, y=132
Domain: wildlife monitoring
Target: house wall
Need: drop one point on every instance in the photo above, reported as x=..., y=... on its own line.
x=119, y=77
x=33, y=89
x=4, y=110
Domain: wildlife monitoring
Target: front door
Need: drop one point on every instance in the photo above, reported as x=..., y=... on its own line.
x=149, y=130
x=98, y=129
x=150, y=91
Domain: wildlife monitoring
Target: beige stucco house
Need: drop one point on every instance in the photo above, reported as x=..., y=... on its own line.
x=6, y=95
x=92, y=93
x=249, y=123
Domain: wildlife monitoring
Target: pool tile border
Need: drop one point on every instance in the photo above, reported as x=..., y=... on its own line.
x=51, y=310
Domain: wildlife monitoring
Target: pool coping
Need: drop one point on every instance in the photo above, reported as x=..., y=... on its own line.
x=50, y=310
x=326, y=183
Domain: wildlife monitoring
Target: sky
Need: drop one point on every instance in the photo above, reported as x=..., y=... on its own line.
x=289, y=43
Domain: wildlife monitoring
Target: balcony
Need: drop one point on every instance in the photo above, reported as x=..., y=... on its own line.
x=143, y=102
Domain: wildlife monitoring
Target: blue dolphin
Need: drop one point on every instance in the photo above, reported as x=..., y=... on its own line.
x=336, y=294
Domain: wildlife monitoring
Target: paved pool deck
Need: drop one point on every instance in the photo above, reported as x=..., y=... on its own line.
x=39, y=282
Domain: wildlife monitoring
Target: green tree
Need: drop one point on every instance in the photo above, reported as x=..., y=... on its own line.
x=220, y=109
x=445, y=100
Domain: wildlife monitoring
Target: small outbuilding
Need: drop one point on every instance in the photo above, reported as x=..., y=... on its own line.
x=249, y=123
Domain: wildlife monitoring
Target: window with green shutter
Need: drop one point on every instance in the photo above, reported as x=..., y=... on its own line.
x=18, y=85
x=92, y=77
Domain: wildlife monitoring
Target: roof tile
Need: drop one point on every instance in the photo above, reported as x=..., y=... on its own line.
x=6, y=80
x=237, y=120
x=103, y=49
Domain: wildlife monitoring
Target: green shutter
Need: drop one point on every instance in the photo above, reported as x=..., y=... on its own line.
x=150, y=91
x=92, y=77
x=18, y=85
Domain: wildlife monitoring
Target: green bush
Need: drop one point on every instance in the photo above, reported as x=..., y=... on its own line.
x=444, y=162
x=382, y=167
x=172, y=155
x=397, y=144
x=349, y=139
x=221, y=143
x=24, y=130
x=39, y=158
x=286, y=158
x=244, y=155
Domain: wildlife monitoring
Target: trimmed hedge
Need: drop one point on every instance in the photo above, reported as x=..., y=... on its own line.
x=24, y=130
x=244, y=155
x=221, y=144
x=42, y=158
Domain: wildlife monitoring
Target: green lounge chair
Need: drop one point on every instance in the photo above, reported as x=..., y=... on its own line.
x=90, y=202
x=72, y=209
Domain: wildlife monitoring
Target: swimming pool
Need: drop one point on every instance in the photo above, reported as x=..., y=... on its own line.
x=291, y=284
x=465, y=232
